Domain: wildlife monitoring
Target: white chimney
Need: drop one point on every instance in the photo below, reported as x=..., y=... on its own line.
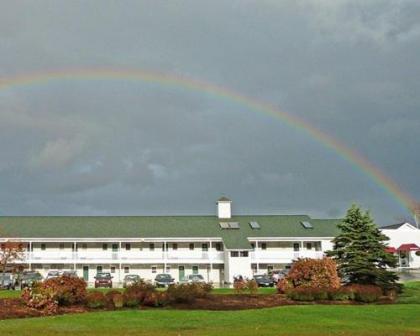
x=224, y=207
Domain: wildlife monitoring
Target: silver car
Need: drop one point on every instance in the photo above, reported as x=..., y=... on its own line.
x=130, y=279
x=195, y=278
x=7, y=281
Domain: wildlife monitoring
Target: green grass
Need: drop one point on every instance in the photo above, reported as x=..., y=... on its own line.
x=411, y=293
x=294, y=320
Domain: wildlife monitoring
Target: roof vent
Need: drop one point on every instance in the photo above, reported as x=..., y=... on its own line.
x=254, y=225
x=229, y=225
x=307, y=225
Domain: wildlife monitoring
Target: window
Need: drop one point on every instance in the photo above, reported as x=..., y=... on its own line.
x=114, y=247
x=244, y=253
x=270, y=269
x=112, y=269
x=192, y=246
x=154, y=269
x=127, y=247
x=204, y=247
x=253, y=246
x=234, y=254
x=61, y=246
x=296, y=247
x=98, y=269
x=263, y=246
x=195, y=269
x=104, y=247
x=174, y=246
x=219, y=247
x=318, y=246
x=43, y=247
x=152, y=247
x=309, y=246
x=168, y=269
x=126, y=269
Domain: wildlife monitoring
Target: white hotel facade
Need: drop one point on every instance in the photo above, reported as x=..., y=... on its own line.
x=217, y=247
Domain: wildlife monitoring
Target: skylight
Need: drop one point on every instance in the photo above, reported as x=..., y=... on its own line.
x=229, y=225
x=254, y=225
x=307, y=225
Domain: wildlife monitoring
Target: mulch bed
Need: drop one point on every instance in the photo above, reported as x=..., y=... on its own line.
x=15, y=308
x=236, y=302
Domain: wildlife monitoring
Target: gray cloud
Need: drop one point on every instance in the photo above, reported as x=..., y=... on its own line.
x=119, y=147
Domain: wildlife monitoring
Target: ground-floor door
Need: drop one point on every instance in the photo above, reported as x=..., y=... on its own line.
x=181, y=271
x=404, y=259
x=86, y=273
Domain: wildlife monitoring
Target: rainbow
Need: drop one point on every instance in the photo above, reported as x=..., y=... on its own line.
x=171, y=80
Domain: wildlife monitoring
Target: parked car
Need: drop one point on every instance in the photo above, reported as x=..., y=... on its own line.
x=70, y=274
x=29, y=278
x=164, y=280
x=195, y=278
x=103, y=280
x=264, y=280
x=130, y=279
x=7, y=281
x=52, y=275
x=277, y=275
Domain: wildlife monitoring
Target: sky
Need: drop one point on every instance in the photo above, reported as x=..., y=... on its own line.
x=118, y=147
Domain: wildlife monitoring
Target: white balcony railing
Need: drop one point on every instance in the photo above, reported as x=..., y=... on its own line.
x=121, y=256
x=262, y=255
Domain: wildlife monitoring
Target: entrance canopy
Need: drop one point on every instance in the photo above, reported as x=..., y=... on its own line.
x=409, y=247
x=390, y=249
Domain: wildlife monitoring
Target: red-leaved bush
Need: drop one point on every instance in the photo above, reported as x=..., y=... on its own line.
x=365, y=293
x=96, y=299
x=41, y=300
x=66, y=290
x=314, y=273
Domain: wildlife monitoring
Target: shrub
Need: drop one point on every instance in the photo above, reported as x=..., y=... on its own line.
x=366, y=293
x=155, y=299
x=44, y=300
x=307, y=294
x=109, y=297
x=314, y=273
x=66, y=290
x=340, y=294
x=131, y=300
x=188, y=292
x=96, y=300
x=301, y=294
x=252, y=287
x=239, y=286
x=118, y=300
x=138, y=291
x=283, y=285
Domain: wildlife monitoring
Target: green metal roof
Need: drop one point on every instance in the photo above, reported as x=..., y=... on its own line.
x=166, y=227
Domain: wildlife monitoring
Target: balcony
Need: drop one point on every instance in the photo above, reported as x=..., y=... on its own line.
x=122, y=256
x=283, y=256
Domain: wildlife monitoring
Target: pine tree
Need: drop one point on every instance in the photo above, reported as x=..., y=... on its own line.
x=359, y=251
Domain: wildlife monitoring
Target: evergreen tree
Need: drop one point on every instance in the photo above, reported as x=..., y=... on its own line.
x=359, y=251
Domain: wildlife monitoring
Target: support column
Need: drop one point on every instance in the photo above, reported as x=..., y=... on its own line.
x=165, y=247
x=210, y=261
x=256, y=256
x=30, y=256
x=74, y=255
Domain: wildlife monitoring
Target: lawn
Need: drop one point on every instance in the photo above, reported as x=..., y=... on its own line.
x=292, y=320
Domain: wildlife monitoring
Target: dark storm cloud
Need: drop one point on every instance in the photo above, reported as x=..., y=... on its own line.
x=349, y=67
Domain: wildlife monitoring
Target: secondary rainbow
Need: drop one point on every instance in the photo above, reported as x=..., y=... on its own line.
x=165, y=79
